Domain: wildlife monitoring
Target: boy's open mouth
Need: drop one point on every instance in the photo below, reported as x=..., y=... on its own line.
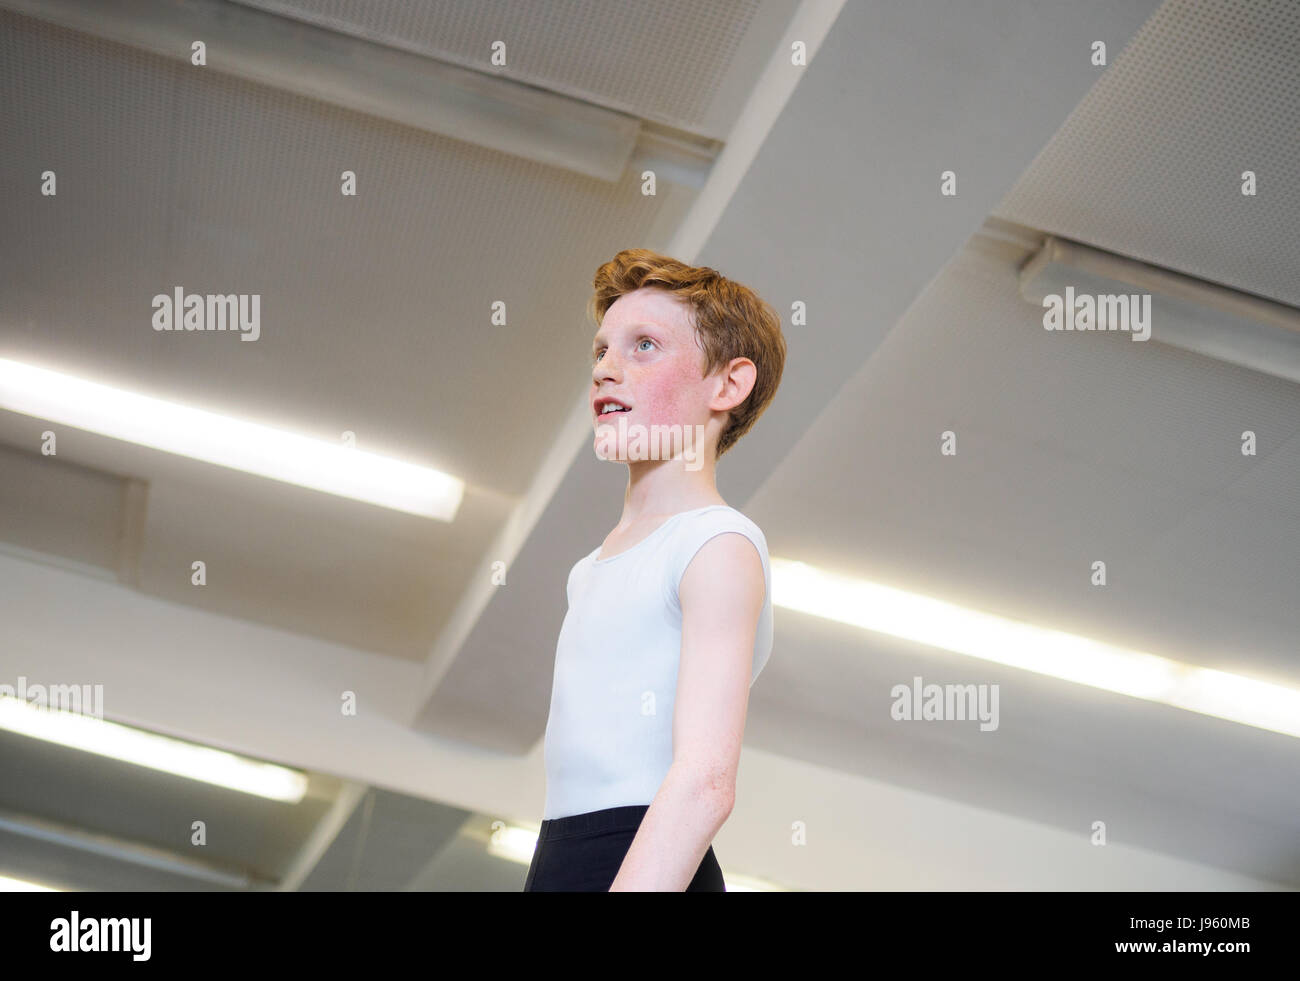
x=608, y=407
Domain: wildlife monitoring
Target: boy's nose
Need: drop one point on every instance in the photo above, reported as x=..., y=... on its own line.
x=606, y=367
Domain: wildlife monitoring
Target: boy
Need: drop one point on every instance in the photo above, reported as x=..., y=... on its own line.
x=670, y=619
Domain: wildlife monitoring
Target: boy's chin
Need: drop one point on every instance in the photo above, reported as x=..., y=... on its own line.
x=614, y=446
x=608, y=445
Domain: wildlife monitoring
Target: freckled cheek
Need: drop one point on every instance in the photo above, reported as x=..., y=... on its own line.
x=664, y=404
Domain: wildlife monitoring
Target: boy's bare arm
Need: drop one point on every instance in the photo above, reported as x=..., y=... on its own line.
x=721, y=596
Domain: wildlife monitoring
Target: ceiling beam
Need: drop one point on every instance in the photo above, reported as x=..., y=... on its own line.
x=122, y=850
x=411, y=89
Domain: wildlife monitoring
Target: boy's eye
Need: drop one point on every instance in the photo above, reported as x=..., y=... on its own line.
x=645, y=340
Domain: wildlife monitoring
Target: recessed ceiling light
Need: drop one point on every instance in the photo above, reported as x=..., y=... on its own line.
x=936, y=623
x=513, y=843
x=229, y=442
x=184, y=759
x=8, y=884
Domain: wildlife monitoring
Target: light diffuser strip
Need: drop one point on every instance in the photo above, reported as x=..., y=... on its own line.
x=251, y=447
x=936, y=623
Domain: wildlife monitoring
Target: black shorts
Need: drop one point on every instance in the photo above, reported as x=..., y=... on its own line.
x=584, y=852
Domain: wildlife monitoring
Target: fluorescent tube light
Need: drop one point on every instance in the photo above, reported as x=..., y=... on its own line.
x=513, y=843
x=130, y=745
x=22, y=885
x=228, y=442
x=748, y=883
x=1187, y=313
x=933, y=622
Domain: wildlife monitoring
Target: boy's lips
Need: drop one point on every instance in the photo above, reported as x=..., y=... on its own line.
x=603, y=402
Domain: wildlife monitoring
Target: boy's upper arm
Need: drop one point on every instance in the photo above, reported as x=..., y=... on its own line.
x=721, y=594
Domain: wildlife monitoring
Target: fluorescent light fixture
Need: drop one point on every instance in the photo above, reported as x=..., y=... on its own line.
x=228, y=442
x=22, y=885
x=748, y=883
x=936, y=623
x=130, y=745
x=1186, y=312
x=513, y=843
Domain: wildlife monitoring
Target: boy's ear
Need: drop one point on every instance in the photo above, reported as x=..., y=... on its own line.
x=743, y=375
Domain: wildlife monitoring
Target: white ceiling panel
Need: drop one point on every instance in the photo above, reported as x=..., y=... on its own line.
x=1150, y=163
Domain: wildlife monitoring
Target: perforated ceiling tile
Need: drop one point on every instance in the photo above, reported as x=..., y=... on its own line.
x=373, y=307
x=663, y=61
x=1150, y=163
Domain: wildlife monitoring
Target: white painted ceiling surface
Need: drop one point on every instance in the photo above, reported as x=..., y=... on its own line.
x=682, y=63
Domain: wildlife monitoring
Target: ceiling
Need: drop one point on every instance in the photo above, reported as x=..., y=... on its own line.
x=685, y=64
x=376, y=319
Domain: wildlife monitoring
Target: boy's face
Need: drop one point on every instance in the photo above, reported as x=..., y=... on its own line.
x=646, y=355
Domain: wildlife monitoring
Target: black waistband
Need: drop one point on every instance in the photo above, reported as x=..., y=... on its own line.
x=626, y=818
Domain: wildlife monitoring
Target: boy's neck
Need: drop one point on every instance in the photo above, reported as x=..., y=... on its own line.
x=666, y=487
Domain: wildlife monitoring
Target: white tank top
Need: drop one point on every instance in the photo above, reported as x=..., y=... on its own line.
x=609, y=739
